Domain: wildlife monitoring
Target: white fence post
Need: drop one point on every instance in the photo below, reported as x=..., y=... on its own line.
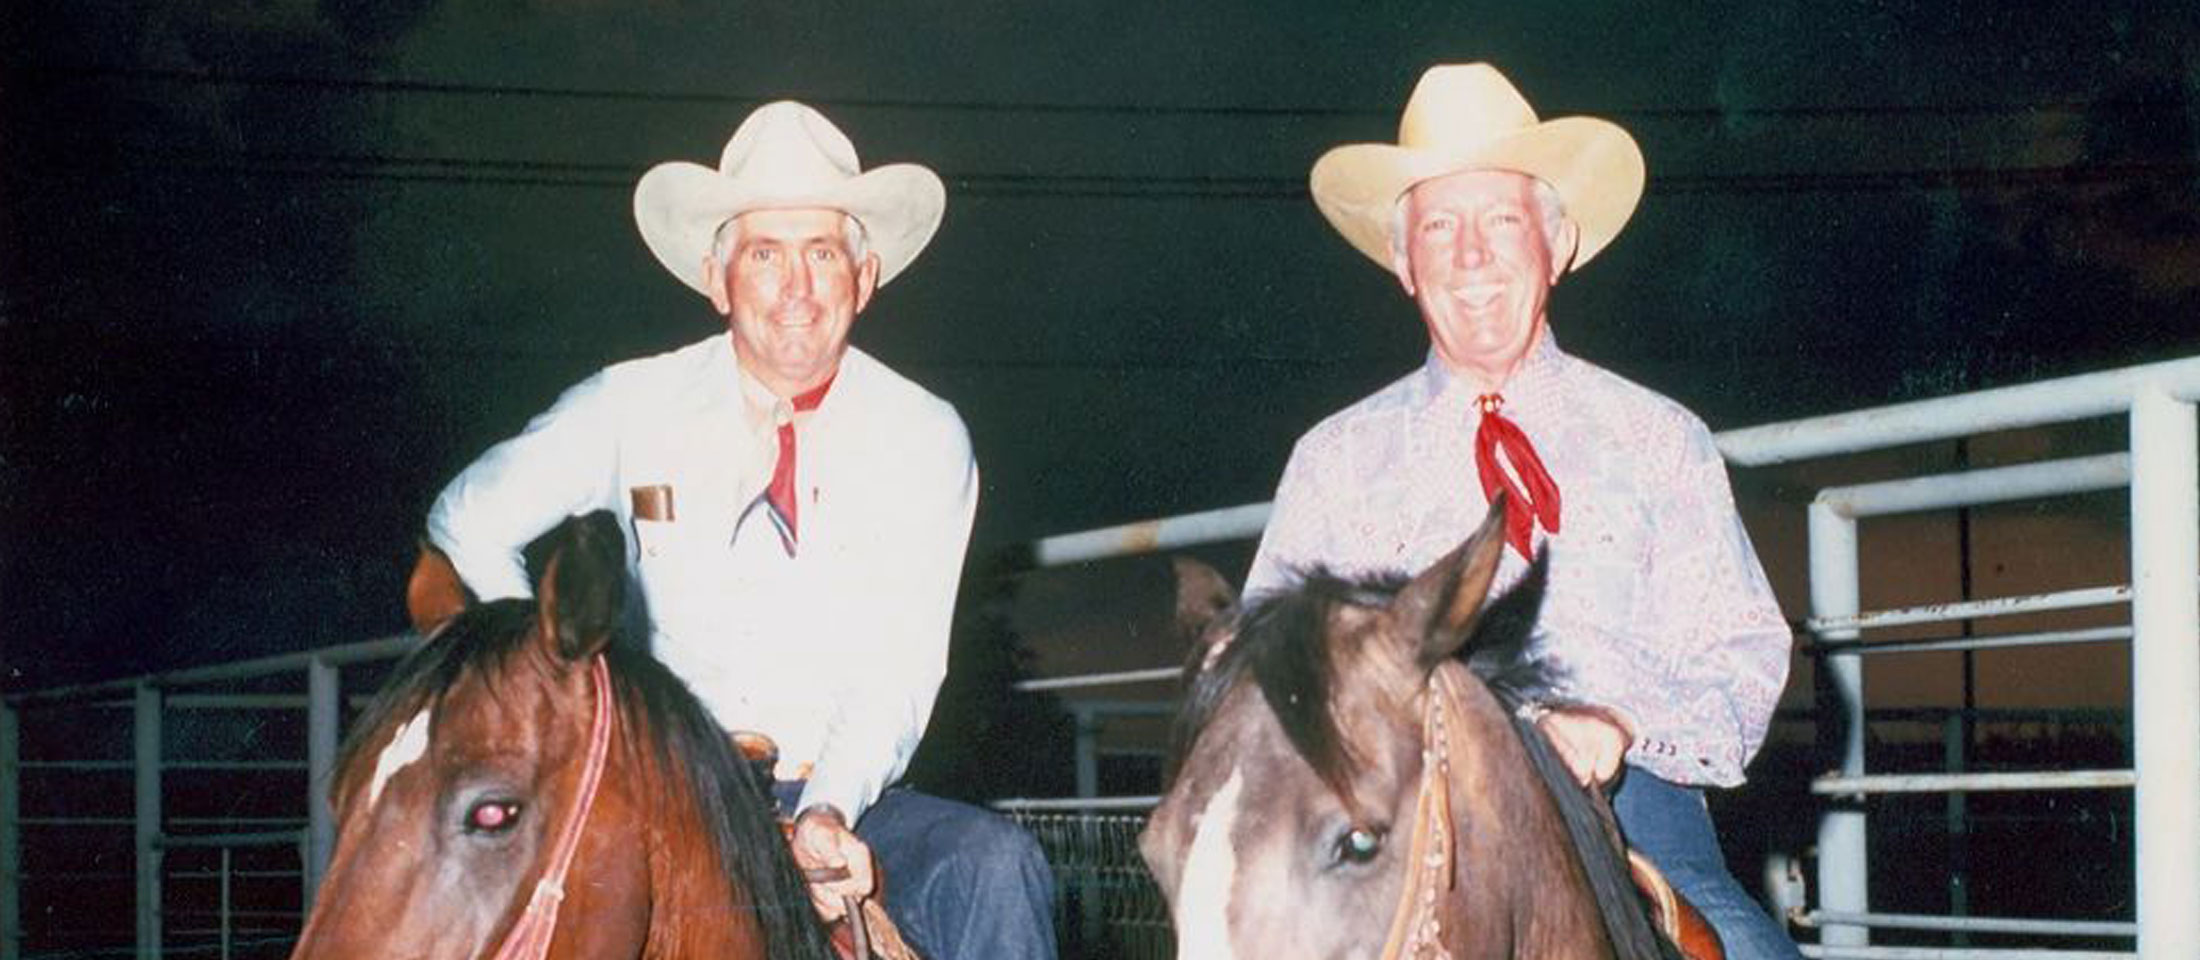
x=1843, y=848
x=11, y=838
x=324, y=704
x=145, y=748
x=2165, y=673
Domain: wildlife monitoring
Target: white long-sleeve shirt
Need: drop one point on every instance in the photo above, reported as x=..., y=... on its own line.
x=836, y=652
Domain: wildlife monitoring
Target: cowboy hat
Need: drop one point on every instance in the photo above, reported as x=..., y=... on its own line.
x=786, y=155
x=1469, y=117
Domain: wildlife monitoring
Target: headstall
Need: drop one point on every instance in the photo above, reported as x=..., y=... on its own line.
x=1416, y=928
x=529, y=939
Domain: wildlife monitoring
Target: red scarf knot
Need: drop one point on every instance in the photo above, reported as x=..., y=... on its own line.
x=1535, y=495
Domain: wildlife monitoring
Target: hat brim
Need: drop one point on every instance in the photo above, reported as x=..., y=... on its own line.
x=679, y=207
x=1593, y=165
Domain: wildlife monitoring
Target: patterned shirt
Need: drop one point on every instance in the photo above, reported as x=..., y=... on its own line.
x=1656, y=605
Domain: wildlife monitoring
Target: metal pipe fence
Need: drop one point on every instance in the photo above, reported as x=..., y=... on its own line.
x=1093, y=839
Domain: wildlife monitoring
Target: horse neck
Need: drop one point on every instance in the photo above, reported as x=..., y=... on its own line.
x=1518, y=884
x=694, y=908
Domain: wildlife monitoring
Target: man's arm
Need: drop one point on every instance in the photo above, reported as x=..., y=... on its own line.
x=907, y=590
x=1712, y=603
x=564, y=463
x=1298, y=526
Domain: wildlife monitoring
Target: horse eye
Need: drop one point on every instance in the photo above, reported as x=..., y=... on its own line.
x=492, y=816
x=1359, y=845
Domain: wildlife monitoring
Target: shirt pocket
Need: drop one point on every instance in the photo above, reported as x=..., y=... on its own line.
x=669, y=560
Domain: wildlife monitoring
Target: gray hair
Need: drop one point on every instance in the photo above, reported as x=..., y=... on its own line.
x=851, y=230
x=1548, y=208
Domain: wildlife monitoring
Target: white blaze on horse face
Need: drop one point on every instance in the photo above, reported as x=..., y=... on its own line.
x=409, y=745
x=1210, y=875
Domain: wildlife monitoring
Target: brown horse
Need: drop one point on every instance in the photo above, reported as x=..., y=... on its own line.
x=525, y=786
x=1354, y=779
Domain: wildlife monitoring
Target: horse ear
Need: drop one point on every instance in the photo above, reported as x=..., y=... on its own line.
x=434, y=594
x=583, y=590
x=1204, y=604
x=1202, y=595
x=1441, y=604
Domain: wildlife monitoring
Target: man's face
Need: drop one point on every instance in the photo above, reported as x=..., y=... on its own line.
x=1480, y=263
x=790, y=291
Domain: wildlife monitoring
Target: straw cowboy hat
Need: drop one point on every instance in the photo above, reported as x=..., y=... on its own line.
x=1469, y=117
x=786, y=155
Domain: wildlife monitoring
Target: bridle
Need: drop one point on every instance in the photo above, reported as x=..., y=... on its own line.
x=1416, y=927
x=529, y=939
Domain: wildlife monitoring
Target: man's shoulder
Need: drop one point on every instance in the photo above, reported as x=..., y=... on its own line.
x=1608, y=393
x=891, y=401
x=1377, y=411
x=669, y=367
x=656, y=380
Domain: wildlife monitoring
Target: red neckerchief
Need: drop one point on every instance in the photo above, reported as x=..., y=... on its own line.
x=779, y=496
x=1539, y=501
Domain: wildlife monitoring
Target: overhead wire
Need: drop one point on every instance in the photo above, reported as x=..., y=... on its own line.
x=590, y=175
x=456, y=88
x=612, y=175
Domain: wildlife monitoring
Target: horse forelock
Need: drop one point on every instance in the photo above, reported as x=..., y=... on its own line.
x=1285, y=644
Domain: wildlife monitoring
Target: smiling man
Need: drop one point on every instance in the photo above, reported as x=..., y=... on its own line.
x=798, y=514
x=1657, y=609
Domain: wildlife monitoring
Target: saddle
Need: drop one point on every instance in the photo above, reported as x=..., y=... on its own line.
x=864, y=931
x=1675, y=917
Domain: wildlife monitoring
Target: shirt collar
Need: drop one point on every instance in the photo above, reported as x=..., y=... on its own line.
x=1537, y=372
x=765, y=409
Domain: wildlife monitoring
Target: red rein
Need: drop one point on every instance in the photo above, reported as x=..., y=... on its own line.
x=529, y=939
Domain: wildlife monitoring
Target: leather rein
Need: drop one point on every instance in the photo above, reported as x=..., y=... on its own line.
x=1416, y=927
x=529, y=939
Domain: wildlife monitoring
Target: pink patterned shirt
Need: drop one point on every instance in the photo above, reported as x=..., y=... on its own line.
x=1657, y=604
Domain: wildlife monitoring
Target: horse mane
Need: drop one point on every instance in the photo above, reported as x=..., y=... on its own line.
x=734, y=807
x=1282, y=643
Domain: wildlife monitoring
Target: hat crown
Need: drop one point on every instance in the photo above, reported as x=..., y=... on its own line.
x=1460, y=107
x=789, y=149
x=1469, y=117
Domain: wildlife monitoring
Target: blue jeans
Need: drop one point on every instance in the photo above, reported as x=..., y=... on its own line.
x=1669, y=824
x=961, y=883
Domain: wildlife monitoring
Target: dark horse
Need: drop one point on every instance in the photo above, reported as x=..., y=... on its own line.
x=524, y=786
x=1354, y=778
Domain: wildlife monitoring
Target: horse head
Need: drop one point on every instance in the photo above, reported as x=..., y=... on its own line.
x=1344, y=786
x=450, y=793
x=520, y=736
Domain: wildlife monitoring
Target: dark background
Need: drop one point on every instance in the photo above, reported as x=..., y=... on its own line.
x=271, y=272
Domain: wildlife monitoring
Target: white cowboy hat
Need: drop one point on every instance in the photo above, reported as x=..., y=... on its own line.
x=786, y=155
x=1469, y=117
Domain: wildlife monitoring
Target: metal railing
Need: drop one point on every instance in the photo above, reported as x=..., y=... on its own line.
x=2165, y=777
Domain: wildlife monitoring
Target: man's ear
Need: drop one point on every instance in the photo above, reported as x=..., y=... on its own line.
x=1401, y=264
x=1564, y=247
x=714, y=284
x=866, y=281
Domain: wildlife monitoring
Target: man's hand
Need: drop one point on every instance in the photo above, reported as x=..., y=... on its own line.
x=1591, y=740
x=825, y=847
